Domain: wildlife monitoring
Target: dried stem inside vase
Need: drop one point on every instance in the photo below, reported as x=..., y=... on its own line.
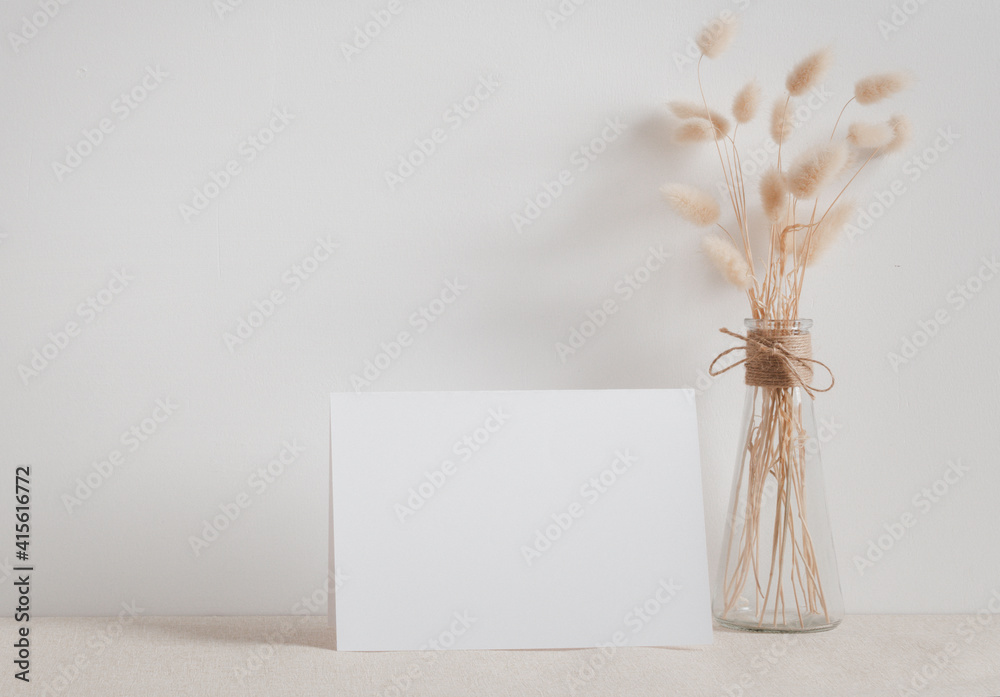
x=774, y=548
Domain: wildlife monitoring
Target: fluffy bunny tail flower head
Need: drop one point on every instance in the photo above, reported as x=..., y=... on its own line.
x=686, y=110
x=692, y=204
x=728, y=260
x=902, y=132
x=690, y=110
x=781, y=121
x=808, y=72
x=746, y=102
x=715, y=38
x=773, y=193
x=875, y=88
x=869, y=135
x=816, y=167
x=695, y=131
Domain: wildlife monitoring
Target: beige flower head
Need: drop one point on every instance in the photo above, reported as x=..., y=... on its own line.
x=781, y=120
x=717, y=35
x=816, y=167
x=808, y=72
x=690, y=110
x=746, y=102
x=875, y=88
x=773, y=193
x=686, y=110
x=869, y=135
x=728, y=260
x=694, y=131
x=902, y=132
x=692, y=204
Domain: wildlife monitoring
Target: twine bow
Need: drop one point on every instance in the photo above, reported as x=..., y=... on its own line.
x=775, y=360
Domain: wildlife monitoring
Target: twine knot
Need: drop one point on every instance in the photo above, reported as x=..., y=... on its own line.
x=775, y=358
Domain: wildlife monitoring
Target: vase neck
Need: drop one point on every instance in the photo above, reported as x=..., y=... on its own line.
x=778, y=326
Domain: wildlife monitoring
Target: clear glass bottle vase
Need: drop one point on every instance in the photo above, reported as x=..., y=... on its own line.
x=778, y=571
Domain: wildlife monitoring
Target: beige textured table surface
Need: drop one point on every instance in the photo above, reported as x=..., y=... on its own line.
x=151, y=656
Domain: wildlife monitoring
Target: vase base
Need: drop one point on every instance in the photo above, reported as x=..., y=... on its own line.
x=753, y=625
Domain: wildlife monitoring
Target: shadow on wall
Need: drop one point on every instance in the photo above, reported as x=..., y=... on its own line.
x=593, y=278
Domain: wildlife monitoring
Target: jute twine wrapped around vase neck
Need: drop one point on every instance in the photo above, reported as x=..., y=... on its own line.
x=775, y=358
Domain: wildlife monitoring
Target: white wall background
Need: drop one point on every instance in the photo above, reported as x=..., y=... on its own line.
x=162, y=337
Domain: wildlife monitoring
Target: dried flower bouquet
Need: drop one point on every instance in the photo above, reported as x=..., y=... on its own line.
x=775, y=573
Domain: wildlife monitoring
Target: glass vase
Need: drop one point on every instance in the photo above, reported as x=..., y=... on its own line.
x=778, y=571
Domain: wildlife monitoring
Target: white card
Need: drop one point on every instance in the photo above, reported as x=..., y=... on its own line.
x=518, y=520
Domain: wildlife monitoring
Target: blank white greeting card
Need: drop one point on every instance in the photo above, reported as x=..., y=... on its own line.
x=517, y=520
